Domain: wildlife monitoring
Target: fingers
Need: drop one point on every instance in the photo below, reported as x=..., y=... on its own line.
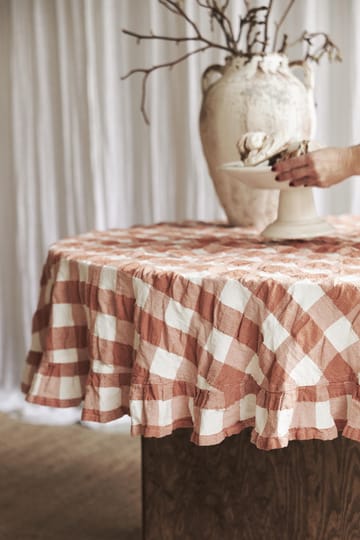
x=305, y=181
x=292, y=174
x=290, y=164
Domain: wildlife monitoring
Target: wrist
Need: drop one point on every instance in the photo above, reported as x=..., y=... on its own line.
x=354, y=160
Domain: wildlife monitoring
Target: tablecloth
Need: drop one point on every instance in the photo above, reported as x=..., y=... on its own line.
x=205, y=326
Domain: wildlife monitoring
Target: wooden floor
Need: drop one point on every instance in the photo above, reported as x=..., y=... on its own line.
x=68, y=483
x=233, y=491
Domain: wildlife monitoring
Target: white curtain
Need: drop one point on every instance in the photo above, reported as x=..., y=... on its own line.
x=75, y=153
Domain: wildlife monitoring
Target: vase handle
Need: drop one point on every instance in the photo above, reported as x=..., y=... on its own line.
x=205, y=78
x=308, y=81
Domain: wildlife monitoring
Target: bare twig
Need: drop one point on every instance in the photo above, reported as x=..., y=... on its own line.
x=202, y=5
x=255, y=25
x=241, y=26
x=147, y=72
x=327, y=47
x=169, y=7
x=226, y=28
x=282, y=19
x=179, y=39
x=176, y=8
x=218, y=14
x=266, y=30
x=284, y=44
x=313, y=54
x=253, y=21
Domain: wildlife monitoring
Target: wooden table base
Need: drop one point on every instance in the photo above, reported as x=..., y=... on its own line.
x=233, y=491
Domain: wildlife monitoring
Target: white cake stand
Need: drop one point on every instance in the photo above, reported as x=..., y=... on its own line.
x=297, y=216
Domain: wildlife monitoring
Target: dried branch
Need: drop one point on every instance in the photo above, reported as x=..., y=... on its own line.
x=267, y=15
x=284, y=44
x=255, y=25
x=139, y=37
x=167, y=6
x=327, y=47
x=175, y=7
x=218, y=14
x=312, y=54
x=253, y=21
x=282, y=19
x=178, y=39
x=256, y=41
x=206, y=5
x=225, y=26
x=147, y=72
x=241, y=26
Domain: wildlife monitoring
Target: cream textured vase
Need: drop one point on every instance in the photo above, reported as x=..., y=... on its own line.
x=260, y=94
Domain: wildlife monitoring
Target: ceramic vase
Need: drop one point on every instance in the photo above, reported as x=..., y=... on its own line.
x=260, y=94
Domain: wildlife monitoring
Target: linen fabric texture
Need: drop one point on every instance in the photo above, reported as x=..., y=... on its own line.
x=201, y=325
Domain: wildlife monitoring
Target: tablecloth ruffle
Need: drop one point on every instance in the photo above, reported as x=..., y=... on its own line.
x=157, y=410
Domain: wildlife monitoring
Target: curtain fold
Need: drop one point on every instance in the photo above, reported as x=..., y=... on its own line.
x=76, y=154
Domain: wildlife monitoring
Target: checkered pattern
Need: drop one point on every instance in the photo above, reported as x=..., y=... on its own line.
x=204, y=326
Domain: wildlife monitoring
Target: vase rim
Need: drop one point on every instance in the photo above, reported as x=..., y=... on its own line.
x=258, y=56
x=273, y=60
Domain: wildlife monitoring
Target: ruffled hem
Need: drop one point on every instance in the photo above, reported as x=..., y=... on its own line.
x=262, y=443
x=276, y=418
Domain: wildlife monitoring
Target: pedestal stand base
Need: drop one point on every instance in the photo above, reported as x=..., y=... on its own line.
x=280, y=230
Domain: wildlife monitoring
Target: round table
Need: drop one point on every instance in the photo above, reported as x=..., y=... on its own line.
x=214, y=329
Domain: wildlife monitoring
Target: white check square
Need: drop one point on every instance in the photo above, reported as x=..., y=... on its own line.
x=284, y=421
x=136, y=411
x=102, y=368
x=108, y=278
x=202, y=383
x=218, y=344
x=165, y=412
x=109, y=398
x=341, y=335
x=211, y=421
x=69, y=388
x=324, y=420
x=306, y=372
x=247, y=407
x=274, y=333
x=165, y=364
x=261, y=416
x=253, y=368
x=83, y=267
x=305, y=293
x=105, y=326
x=62, y=315
x=65, y=356
x=178, y=316
x=63, y=273
x=141, y=291
x=235, y=295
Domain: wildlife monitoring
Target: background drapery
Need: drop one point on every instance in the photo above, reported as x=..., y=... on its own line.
x=75, y=153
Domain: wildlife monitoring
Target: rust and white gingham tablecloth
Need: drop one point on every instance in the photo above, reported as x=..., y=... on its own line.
x=204, y=326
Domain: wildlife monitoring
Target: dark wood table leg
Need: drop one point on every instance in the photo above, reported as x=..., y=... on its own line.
x=233, y=491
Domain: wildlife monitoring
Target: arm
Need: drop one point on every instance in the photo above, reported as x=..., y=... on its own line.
x=322, y=168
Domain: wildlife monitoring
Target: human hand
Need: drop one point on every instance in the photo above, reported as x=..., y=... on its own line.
x=321, y=168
